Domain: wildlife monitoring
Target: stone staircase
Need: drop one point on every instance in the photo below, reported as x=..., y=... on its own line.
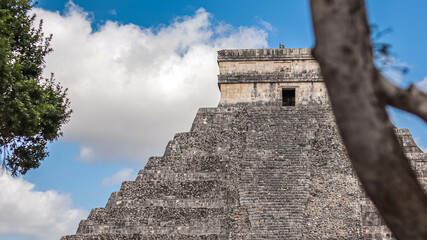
x=246, y=172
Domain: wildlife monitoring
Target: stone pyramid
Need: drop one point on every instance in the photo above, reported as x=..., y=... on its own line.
x=267, y=163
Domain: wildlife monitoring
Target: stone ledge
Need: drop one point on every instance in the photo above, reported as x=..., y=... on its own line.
x=139, y=236
x=278, y=54
x=274, y=77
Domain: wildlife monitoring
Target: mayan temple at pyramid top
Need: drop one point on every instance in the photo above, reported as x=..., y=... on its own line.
x=270, y=76
x=267, y=163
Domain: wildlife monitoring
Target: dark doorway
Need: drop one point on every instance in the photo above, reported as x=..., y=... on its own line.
x=288, y=97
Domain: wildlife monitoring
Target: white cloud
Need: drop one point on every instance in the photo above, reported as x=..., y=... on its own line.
x=417, y=141
x=268, y=26
x=41, y=215
x=113, y=12
x=423, y=84
x=132, y=88
x=120, y=176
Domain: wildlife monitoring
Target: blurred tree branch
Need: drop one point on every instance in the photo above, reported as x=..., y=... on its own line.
x=359, y=95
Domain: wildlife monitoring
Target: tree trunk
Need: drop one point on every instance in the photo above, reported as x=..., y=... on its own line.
x=359, y=97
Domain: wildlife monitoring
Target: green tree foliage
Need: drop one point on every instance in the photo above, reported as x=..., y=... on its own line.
x=32, y=108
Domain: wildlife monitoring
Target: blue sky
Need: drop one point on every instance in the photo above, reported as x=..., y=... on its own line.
x=137, y=71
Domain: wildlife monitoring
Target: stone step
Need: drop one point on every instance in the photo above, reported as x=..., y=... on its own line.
x=196, y=143
x=153, y=216
x=133, y=190
x=139, y=236
x=155, y=162
x=418, y=162
x=169, y=175
x=212, y=202
x=168, y=149
x=201, y=143
x=212, y=118
x=209, y=225
x=192, y=163
x=406, y=141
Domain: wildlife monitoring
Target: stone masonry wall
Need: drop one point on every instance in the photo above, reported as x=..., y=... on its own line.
x=251, y=168
x=271, y=93
x=248, y=76
x=263, y=67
